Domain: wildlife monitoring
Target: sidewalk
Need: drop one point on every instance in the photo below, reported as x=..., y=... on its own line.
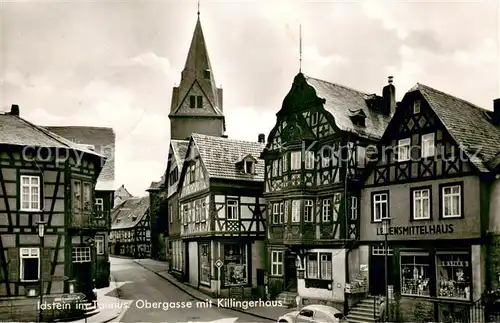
x=109, y=304
x=161, y=269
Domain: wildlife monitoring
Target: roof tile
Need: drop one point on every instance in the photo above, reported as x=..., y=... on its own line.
x=129, y=213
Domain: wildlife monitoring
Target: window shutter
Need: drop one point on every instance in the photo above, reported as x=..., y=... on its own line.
x=13, y=264
x=46, y=265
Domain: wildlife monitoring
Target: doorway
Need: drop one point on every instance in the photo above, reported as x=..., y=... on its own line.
x=377, y=270
x=83, y=276
x=290, y=271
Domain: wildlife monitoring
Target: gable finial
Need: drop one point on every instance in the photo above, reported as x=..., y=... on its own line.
x=198, y=8
x=300, y=48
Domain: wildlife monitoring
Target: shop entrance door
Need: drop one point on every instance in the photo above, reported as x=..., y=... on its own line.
x=377, y=270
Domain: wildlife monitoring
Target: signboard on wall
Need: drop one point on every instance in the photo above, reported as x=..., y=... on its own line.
x=412, y=230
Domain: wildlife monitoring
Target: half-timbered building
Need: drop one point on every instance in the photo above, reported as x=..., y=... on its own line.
x=44, y=177
x=130, y=230
x=434, y=178
x=102, y=141
x=158, y=219
x=173, y=242
x=222, y=214
x=314, y=159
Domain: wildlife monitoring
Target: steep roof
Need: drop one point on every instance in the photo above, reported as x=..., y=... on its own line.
x=340, y=101
x=179, y=149
x=122, y=192
x=129, y=213
x=468, y=124
x=220, y=155
x=197, y=65
x=103, y=140
x=17, y=131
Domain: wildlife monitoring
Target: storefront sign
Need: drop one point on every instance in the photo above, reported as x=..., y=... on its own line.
x=414, y=230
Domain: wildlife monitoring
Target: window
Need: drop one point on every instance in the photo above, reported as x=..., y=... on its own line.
x=205, y=263
x=87, y=197
x=282, y=212
x=82, y=254
x=192, y=101
x=327, y=210
x=99, y=204
x=428, y=146
x=380, y=251
x=296, y=211
x=77, y=196
x=314, y=118
x=30, y=193
x=277, y=263
x=380, y=206
x=403, y=150
x=354, y=208
x=284, y=162
x=326, y=266
x=249, y=167
x=309, y=162
x=199, y=102
x=170, y=213
x=295, y=160
x=306, y=313
x=192, y=173
x=235, y=262
x=453, y=275
x=275, y=167
x=452, y=201
x=30, y=264
x=415, y=273
x=326, y=156
x=206, y=74
x=308, y=211
x=416, y=106
x=421, y=204
x=312, y=266
x=276, y=214
x=99, y=245
x=232, y=209
x=361, y=155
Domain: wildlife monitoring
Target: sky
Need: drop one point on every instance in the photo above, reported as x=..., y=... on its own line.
x=114, y=63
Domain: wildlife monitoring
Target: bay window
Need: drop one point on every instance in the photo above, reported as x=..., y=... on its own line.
x=276, y=213
x=309, y=160
x=296, y=211
x=308, y=211
x=327, y=210
x=295, y=160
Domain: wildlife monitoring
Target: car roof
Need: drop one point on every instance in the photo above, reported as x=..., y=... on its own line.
x=322, y=308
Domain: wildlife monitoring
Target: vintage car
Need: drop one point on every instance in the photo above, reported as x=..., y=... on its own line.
x=314, y=314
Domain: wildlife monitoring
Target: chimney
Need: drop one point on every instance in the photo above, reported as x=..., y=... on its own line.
x=389, y=98
x=496, y=112
x=14, y=110
x=262, y=138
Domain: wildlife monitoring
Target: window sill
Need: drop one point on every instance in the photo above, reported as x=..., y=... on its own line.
x=31, y=211
x=420, y=219
x=450, y=217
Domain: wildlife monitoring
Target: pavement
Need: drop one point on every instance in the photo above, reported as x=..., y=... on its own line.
x=109, y=304
x=160, y=268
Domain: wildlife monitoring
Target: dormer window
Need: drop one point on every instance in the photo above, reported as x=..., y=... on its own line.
x=249, y=167
x=196, y=101
x=358, y=117
x=206, y=74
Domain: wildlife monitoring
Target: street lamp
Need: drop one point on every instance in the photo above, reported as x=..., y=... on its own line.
x=386, y=224
x=41, y=233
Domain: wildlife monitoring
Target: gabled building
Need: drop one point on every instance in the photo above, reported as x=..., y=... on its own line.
x=45, y=177
x=314, y=158
x=222, y=214
x=130, y=231
x=174, y=247
x=158, y=221
x=196, y=107
x=102, y=141
x=436, y=179
x=120, y=195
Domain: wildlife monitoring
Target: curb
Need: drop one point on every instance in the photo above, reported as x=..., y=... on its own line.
x=113, y=281
x=179, y=286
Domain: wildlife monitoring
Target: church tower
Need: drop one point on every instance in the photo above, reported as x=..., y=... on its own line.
x=196, y=102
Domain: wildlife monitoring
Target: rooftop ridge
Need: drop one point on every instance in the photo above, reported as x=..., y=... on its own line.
x=336, y=84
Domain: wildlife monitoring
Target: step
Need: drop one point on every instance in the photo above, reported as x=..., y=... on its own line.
x=367, y=306
x=361, y=318
x=362, y=311
x=357, y=321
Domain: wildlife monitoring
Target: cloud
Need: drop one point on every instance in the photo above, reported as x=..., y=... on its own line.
x=150, y=60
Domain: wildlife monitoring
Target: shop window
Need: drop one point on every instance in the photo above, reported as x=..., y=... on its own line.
x=415, y=273
x=205, y=263
x=235, y=262
x=453, y=275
